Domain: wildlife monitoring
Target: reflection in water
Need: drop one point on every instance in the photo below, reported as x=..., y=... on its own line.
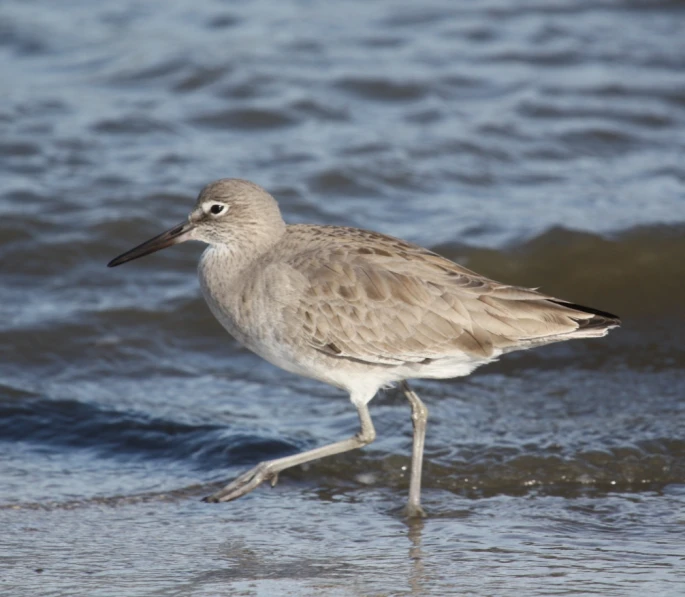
x=415, y=528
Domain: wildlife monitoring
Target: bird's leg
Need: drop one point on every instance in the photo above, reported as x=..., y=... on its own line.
x=269, y=469
x=419, y=416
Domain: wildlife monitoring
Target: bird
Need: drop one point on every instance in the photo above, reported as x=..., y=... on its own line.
x=355, y=309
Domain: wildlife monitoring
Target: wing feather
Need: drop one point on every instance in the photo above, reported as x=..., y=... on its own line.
x=369, y=297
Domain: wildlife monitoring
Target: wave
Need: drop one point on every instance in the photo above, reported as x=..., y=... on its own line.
x=72, y=424
x=636, y=272
x=471, y=470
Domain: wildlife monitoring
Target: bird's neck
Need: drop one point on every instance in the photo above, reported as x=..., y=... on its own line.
x=242, y=251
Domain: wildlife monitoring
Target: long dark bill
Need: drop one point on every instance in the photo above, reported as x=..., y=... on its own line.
x=166, y=239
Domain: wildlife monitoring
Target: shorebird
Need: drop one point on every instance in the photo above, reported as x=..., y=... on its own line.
x=355, y=309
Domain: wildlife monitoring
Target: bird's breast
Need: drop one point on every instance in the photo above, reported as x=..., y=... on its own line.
x=252, y=306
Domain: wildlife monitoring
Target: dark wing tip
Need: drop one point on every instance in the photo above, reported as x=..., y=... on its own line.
x=601, y=319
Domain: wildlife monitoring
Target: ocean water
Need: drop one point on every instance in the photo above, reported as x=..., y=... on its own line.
x=539, y=143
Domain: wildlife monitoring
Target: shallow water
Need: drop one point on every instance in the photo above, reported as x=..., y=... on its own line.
x=539, y=143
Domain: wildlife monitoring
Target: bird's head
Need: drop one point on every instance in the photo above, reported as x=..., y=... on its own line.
x=227, y=211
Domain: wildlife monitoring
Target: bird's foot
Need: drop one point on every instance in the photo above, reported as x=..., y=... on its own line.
x=414, y=511
x=244, y=484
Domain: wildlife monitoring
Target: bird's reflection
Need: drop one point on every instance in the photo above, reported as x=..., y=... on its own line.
x=417, y=573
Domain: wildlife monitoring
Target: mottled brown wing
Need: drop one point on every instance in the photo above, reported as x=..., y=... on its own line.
x=384, y=301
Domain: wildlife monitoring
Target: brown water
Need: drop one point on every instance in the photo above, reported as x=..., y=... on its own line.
x=540, y=143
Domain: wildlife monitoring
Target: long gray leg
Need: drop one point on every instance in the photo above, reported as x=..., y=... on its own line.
x=419, y=416
x=269, y=469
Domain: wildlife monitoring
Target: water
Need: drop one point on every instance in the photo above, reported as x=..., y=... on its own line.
x=540, y=143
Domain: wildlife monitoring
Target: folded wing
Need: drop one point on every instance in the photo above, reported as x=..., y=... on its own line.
x=384, y=301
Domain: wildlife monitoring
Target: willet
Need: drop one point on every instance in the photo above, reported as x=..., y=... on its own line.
x=355, y=309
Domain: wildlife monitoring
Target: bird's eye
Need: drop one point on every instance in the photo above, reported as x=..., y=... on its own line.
x=216, y=209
